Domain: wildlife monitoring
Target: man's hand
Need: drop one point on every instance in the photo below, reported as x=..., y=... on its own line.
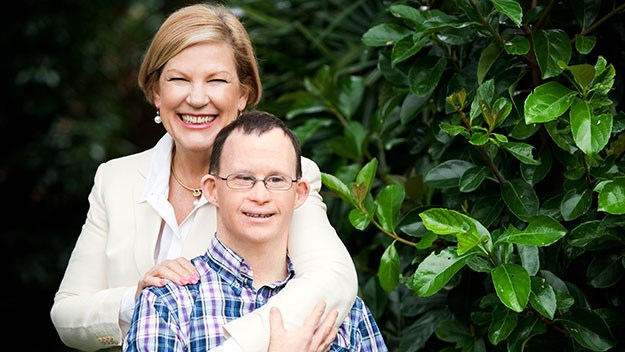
x=313, y=336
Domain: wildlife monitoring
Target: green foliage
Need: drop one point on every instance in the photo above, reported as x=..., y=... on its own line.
x=483, y=154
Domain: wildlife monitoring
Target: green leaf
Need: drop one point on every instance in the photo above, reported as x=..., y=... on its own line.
x=512, y=285
x=588, y=329
x=473, y=178
x=532, y=174
x=530, y=258
x=592, y=235
x=575, y=204
x=388, y=273
x=542, y=230
x=447, y=174
x=406, y=48
x=425, y=74
x=525, y=330
x=435, y=271
x=307, y=128
x=605, y=271
x=522, y=151
x=359, y=219
x=485, y=93
x=562, y=137
x=366, y=175
x=520, y=199
x=517, y=45
x=355, y=136
x=349, y=91
x=510, y=8
x=503, y=323
x=452, y=331
x=487, y=59
x=408, y=13
x=468, y=231
x=389, y=201
x=585, y=11
x=551, y=46
x=336, y=185
x=547, y=102
x=585, y=43
x=384, y=34
x=543, y=298
x=612, y=197
x=590, y=132
x=583, y=75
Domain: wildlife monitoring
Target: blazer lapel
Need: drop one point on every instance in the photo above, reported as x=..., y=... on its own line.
x=148, y=222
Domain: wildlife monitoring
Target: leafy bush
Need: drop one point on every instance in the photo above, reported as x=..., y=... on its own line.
x=482, y=154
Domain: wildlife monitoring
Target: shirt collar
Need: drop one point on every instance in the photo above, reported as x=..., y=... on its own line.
x=233, y=267
x=157, y=181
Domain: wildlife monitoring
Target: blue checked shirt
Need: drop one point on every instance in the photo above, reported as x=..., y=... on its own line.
x=189, y=318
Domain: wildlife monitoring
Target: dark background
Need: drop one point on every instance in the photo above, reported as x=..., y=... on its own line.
x=70, y=102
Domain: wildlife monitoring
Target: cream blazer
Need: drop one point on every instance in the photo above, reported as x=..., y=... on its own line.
x=117, y=243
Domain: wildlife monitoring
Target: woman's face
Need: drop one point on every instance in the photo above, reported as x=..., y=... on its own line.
x=198, y=94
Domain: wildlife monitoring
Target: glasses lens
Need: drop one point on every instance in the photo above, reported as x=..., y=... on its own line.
x=240, y=181
x=278, y=182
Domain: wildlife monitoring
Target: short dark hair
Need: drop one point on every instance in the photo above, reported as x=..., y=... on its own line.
x=254, y=122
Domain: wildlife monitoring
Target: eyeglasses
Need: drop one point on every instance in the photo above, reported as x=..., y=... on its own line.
x=247, y=181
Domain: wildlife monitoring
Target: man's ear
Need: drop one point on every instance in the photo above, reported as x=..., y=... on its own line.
x=302, y=189
x=209, y=185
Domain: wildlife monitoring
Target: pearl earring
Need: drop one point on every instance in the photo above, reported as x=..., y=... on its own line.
x=157, y=118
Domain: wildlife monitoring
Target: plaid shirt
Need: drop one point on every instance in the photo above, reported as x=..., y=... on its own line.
x=189, y=318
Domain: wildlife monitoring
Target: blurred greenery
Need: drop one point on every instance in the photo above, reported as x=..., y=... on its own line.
x=72, y=102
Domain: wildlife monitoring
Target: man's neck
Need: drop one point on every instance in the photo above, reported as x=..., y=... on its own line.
x=268, y=260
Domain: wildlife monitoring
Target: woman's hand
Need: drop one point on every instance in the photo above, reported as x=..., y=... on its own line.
x=313, y=336
x=179, y=270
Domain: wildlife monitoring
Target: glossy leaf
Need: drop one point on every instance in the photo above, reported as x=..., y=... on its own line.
x=605, y=271
x=575, y=204
x=512, y=285
x=543, y=298
x=366, y=175
x=542, y=230
x=389, y=201
x=590, y=132
x=588, y=329
x=468, y=231
x=530, y=258
x=359, y=219
x=612, y=197
x=503, y=323
x=511, y=8
x=388, y=273
x=489, y=56
x=520, y=198
x=473, y=178
x=551, y=46
x=547, y=102
x=447, y=174
x=435, y=271
x=384, y=34
x=425, y=74
x=336, y=185
x=522, y=151
x=525, y=330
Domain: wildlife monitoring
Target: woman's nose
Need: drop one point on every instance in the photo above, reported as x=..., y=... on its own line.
x=198, y=95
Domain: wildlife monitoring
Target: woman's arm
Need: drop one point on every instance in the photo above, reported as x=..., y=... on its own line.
x=324, y=272
x=85, y=312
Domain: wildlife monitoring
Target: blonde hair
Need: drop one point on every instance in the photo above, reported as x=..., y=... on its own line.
x=201, y=23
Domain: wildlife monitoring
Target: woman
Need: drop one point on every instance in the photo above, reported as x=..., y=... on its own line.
x=147, y=215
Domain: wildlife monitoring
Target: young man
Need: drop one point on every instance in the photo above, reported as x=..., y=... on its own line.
x=255, y=184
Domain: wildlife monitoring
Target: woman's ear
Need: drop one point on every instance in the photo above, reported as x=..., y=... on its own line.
x=208, y=189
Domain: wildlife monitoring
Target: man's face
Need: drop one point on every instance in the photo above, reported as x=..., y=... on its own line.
x=255, y=215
